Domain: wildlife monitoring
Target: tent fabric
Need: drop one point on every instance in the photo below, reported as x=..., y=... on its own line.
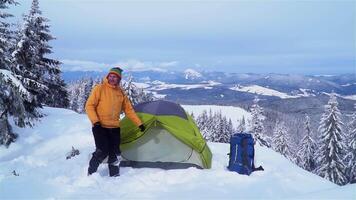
x=169, y=138
x=158, y=164
x=161, y=108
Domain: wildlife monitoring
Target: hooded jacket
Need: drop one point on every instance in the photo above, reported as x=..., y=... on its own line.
x=105, y=104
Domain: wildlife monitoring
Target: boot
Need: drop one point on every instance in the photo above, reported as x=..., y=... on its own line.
x=114, y=170
x=114, y=167
x=96, y=159
x=93, y=165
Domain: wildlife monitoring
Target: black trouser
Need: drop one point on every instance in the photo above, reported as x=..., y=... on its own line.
x=107, y=143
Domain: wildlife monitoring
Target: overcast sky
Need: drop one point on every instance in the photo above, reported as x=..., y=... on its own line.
x=304, y=37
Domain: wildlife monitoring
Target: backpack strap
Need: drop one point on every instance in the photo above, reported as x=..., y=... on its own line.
x=244, y=152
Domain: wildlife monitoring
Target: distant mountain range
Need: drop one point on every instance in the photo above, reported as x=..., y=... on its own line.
x=283, y=97
x=282, y=85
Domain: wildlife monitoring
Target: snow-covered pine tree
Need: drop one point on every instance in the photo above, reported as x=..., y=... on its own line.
x=242, y=125
x=87, y=88
x=223, y=132
x=331, y=144
x=351, y=149
x=306, y=152
x=211, y=127
x=202, y=123
x=12, y=94
x=281, y=140
x=131, y=90
x=27, y=70
x=214, y=126
x=40, y=75
x=73, y=99
x=135, y=94
x=230, y=128
x=84, y=87
x=6, y=35
x=79, y=92
x=56, y=95
x=257, y=124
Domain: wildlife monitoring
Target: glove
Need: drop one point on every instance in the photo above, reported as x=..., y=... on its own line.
x=142, y=128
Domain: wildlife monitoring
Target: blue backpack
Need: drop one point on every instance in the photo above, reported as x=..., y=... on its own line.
x=242, y=153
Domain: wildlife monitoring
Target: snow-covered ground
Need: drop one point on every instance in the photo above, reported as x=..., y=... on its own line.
x=351, y=97
x=165, y=86
x=256, y=89
x=39, y=158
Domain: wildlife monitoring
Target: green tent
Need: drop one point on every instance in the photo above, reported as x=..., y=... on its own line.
x=171, y=139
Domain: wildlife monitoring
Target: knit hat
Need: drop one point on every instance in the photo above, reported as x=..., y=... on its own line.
x=116, y=70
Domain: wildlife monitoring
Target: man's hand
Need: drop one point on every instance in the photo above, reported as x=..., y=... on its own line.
x=142, y=128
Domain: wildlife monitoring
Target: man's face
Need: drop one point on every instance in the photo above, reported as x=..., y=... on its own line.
x=113, y=79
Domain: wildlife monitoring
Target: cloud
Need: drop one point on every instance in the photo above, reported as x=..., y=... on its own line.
x=129, y=65
x=82, y=65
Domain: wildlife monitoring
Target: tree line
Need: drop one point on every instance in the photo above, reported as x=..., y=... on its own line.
x=331, y=155
x=79, y=91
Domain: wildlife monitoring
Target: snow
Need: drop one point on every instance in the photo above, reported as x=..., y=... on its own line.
x=212, y=83
x=351, y=97
x=39, y=158
x=141, y=85
x=159, y=96
x=9, y=77
x=256, y=89
x=164, y=86
x=305, y=92
x=191, y=74
x=157, y=82
x=348, y=84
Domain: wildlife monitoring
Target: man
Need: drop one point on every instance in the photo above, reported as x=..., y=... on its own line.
x=103, y=108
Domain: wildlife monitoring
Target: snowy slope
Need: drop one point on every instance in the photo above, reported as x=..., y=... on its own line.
x=158, y=85
x=256, y=89
x=39, y=159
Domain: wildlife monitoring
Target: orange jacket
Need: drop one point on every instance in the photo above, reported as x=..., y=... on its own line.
x=105, y=104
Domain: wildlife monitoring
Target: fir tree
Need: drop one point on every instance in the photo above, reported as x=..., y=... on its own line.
x=26, y=58
x=79, y=92
x=131, y=91
x=306, y=152
x=56, y=95
x=230, y=129
x=12, y=93
x=281, y=141
x=40, y=75
x=214, y=127
x=211, y=127
x=136, y=95
x=202, y=123
x=330, y=163
x=223, y=135
x=257, y=124
x=6, y=35
x=351, y=147
x=11, y=104
x=242, y=126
